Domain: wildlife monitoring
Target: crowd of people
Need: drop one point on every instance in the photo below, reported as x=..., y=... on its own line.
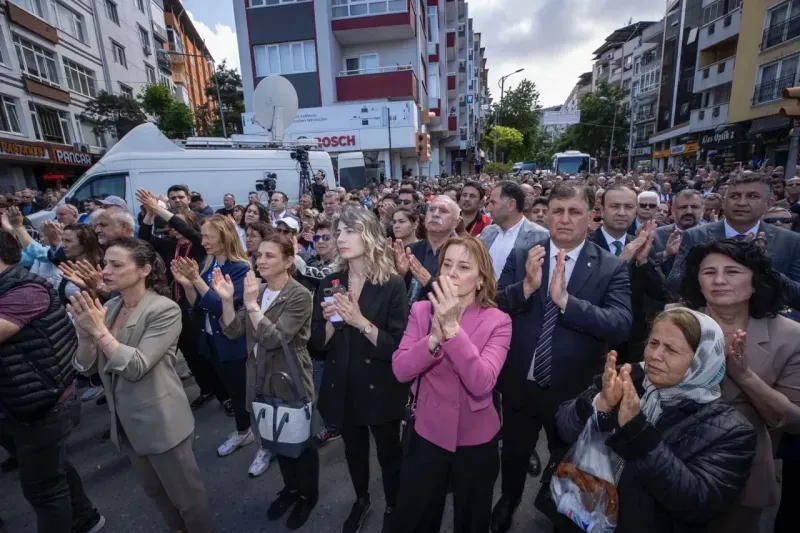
x=452, y=319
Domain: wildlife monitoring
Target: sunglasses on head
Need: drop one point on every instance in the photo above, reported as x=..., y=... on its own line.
x=324, y=238
x=787, y=220
x=648, y=206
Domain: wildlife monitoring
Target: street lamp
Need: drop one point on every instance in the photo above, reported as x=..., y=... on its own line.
x=613, y=128
x=502, y=90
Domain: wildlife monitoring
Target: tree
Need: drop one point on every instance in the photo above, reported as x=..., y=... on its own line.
x=520, y=109
x=114, y=114
x=502, y=138
x=230, y=91
x=173, y=118
x=593, y=134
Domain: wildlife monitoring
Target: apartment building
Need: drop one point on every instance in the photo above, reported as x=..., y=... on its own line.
x=370, y=75
x=766, y=62
x=190, y=63
x=645, y=84
x=581, y=89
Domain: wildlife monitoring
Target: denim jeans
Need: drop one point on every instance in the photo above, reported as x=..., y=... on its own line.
x=49, y=482
x=319, y=369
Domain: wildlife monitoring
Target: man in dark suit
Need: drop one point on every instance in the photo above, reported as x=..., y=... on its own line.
x=746, y=201
x=687, y=211
x=648, y=283
x=646, y=209
x=568, y=300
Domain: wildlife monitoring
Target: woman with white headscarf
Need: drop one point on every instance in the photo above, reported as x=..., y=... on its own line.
x=679, y=453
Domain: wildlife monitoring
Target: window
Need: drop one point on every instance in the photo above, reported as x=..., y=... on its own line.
x=51, y=125
x=68, y=21
x=269, y=3
x=144, y=38
x=119, y=54
x=9, y=120
x=111, y=12
x=433, y=24
x=98, y=186
x=80, y=79
x=285, y=58
x=782, y=24
x=164, y=78
x=363, y=64
x=718, y=9
x=775, y=77
x=433, y=84
x=151, y=74
x=363, y=8
x=125, y=91
x=174, y=38
x=89, y=136
x=140, y=5
x=32, y=6
x=35, y=61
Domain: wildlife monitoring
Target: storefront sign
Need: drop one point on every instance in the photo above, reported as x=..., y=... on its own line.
x=678, y=149
x=642, y=150
x=691, y=148
x=661, y=154
x=54, y=177
x=727, y=137
x=71, y=157
x=339, y=141
x=644, y=163
x=24, y=151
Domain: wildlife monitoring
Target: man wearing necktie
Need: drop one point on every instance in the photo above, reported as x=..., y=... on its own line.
x=648, y=285
x=568, y=300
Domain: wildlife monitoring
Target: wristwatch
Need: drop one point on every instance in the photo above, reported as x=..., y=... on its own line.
x=367, y=329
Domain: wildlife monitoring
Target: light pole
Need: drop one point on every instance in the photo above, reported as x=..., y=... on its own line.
x=502, y=91
x=613, y=128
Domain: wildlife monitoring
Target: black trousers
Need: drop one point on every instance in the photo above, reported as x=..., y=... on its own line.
x=427, y=472
x=521, y=427
x=786, y=520
x=302, y=474
x=201, y=367
x=390, y=456
x=49, y=482
x=233, y=377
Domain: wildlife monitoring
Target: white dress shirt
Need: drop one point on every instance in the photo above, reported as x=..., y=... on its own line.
x=502, y=246
x=571, y=261
x=731, y=233
x=275, y=218
x=611, y=240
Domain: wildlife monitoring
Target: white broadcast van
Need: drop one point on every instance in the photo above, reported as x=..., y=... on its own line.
x=214, y=167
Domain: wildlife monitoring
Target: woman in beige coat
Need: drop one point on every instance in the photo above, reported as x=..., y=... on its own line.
x=282, y=309
x=131, y=344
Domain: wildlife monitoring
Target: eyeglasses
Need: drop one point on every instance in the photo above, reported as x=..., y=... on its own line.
x=787, y=220
x=648, y=206
x=402, y=202
x=284, y=231
x=324, y=238
x=598, y=219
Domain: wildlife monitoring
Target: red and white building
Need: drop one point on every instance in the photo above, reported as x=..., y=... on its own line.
x=367, y=74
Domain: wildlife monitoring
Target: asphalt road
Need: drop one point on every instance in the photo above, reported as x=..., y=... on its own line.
x=238, y=502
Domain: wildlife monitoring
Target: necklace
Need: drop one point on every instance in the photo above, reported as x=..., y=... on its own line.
x=354, y=294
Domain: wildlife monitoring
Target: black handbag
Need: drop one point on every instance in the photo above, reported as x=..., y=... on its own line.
x=407, y=425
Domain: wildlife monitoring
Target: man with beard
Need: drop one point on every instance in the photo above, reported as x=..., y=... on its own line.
x=419, y=263
x=471, y=202
x=687, y=210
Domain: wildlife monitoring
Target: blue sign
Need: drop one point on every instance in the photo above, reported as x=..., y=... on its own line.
x=469, y=98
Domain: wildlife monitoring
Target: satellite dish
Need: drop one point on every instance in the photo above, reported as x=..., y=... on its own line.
x=275, y=105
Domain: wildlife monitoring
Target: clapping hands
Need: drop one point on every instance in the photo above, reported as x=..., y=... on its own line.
x=618, y=391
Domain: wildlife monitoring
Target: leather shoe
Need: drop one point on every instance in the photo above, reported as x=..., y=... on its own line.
x=503, y=514
x=285, y=500
x=201, y=400
x=535, y=465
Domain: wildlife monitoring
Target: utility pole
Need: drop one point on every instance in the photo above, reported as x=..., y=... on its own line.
x=630, y=131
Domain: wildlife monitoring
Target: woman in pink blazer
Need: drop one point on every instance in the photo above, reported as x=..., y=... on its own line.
x=455, y=345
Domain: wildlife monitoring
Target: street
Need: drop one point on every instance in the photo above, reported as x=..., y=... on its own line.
x=239, y=503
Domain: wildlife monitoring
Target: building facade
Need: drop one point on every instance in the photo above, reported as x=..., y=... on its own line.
x=370, y=76
x=581, y=89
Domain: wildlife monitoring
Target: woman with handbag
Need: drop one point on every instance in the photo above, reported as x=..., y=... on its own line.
x=276, y=321
x=454, y=348
x=360, y=330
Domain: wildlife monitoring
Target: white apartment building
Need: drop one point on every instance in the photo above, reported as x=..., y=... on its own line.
x=368, y=74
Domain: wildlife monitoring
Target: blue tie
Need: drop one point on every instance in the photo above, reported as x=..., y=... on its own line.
x=543, y=356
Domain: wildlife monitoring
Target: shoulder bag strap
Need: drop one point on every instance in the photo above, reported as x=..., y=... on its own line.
x=297, y=385
x=419, y=378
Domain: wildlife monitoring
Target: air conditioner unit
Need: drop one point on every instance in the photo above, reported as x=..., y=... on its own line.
x=147, y=50
x=81, y=147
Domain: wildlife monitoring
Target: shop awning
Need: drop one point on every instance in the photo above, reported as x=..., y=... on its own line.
x=768, y=124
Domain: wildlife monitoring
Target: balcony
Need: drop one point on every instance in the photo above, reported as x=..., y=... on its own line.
x=709, y=117
x=451, y=45
x=647, y=93
x=720, y=30
x=452, y=83
x=369, y=21
x=433, y=52
x=644, y=116
x=164, y=61
x=780, y=33
x=718, y=73
x=435, y=107
x=160, y=32
x=381, y=83
x=772, y=90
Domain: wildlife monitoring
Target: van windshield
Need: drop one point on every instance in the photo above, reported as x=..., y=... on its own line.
x=572, y=165
x=97, y=186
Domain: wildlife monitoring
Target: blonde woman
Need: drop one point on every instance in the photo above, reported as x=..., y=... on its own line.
x=229, y=357
x=360, y=330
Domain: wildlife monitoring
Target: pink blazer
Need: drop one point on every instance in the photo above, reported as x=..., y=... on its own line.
x=455, y=395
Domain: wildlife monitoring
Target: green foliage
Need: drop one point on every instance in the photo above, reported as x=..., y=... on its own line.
x=114, y=114
x=503, y=137
x=230, y=92
x=519, y=110
x=173, y=118
x=156, y=100
x=498, y=168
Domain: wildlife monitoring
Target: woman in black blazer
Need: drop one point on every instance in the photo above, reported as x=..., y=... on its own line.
x=359, y=392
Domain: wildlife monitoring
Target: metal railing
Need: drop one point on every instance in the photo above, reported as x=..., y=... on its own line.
x=342, y=9
x=773, y=90
x=780, y=33
x=376, y=70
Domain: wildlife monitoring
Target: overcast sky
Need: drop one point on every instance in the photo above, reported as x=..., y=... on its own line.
x=552, y=40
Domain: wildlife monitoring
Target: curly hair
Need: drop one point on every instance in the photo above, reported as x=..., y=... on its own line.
x=379, y=264
x=768, y=287
x=143, y=254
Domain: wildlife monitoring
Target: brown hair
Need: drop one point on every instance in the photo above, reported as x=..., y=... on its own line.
x=263, y=229
x=486, y=295
x=285, y=245
x=190, y=218
x=685, y=321
x=566, y=190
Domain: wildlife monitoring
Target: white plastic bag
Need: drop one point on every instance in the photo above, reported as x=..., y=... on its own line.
x=583, y=486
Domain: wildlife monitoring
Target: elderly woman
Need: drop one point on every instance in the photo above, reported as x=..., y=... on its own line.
x=733, y=282
x=681, y=454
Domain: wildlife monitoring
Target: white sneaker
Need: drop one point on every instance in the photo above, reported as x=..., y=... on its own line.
x=234, y=442
x=260, y=463
x=91, y=393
